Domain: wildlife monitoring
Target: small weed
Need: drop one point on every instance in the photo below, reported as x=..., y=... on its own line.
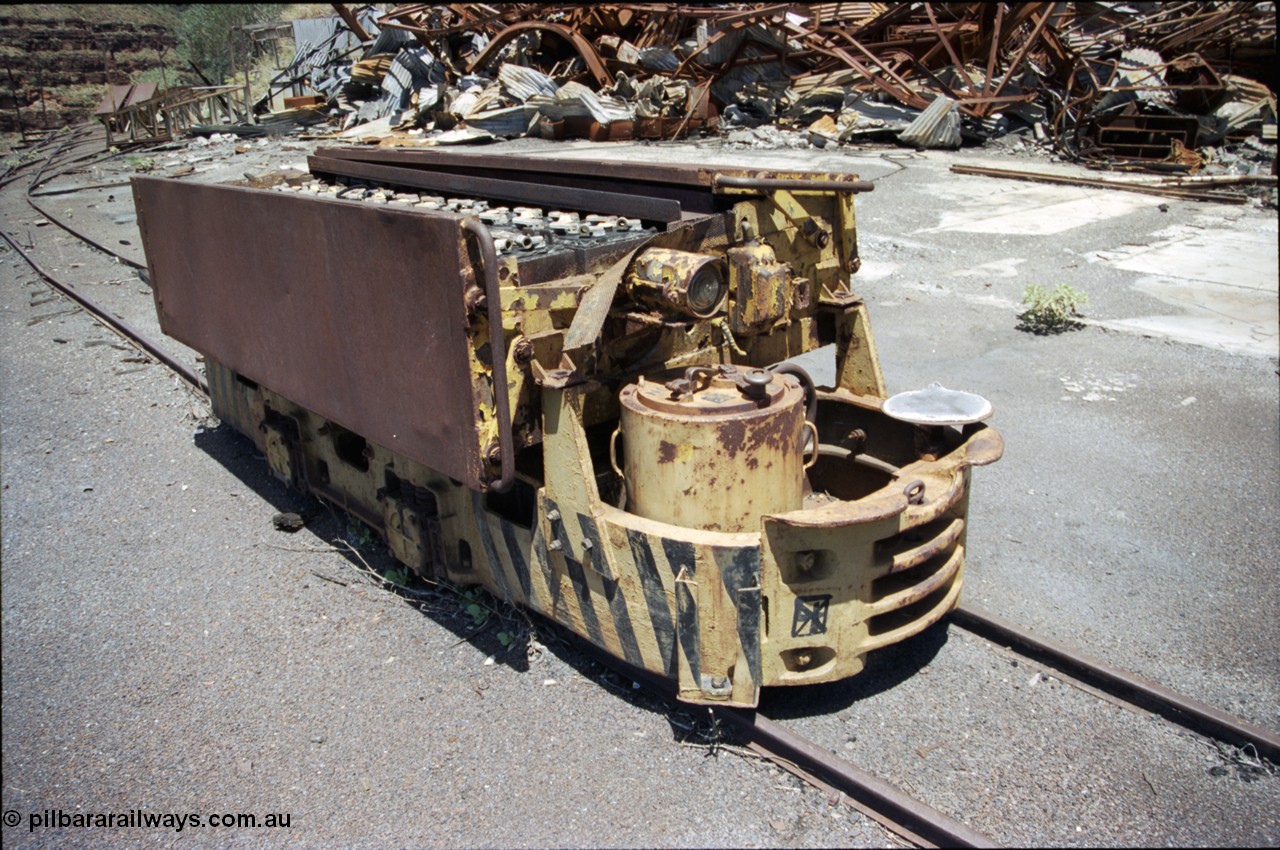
x=1051, y=312
x=475, y=608
x=141, y=163
x=359, y=534
x=22, y=159
x=399, y=576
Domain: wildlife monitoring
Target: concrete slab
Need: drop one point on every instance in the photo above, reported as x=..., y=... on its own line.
x=978, y=207
x=1224, y=279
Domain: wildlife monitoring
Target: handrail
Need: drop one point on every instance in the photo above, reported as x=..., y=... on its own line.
x=497, y=349
x=722, y=182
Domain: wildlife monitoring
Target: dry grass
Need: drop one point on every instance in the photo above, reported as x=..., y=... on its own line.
x=79, y=97
x=303, y=11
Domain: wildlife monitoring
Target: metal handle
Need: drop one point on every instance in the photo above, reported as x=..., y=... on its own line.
x=613, y=454
x=813, y=428
x=498, y=347
x=810, y=391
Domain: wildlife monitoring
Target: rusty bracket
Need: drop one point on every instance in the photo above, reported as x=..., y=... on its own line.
x=564, y=375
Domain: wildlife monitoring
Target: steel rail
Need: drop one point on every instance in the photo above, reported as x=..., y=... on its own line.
x=911, y=819
x=124, y=329
x=1171, y=705
x=79, y=135
x=82, y=237
x=920, y=818
x=1100, y=183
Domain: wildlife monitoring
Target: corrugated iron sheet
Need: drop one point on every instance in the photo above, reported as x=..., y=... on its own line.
x=937, y=127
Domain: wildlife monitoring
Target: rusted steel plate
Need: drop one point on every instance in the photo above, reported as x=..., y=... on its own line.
x=615, y=170
x=141, y=93
x=113, y=100
x=685, y=184
x=352, y=311
x=584, y=200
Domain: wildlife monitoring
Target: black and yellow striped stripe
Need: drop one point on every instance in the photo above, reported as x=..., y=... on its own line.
x=638, y=594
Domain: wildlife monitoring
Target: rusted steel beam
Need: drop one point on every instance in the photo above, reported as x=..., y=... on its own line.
x=943, y=87
x=937, y=46
x=1020, y=13
x=767, y=11
x=584, y=48
x=352, y=22
x=874, y=28
x=903, y=92
x=946, y=43
x=1130, y=686
x=1096, y=183
x=1026, y=97
x=994, y=52
x=1022, y=51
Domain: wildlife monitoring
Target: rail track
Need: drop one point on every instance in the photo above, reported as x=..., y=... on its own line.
x=909, y=818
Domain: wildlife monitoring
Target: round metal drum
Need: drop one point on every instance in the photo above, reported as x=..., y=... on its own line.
x=716, y=450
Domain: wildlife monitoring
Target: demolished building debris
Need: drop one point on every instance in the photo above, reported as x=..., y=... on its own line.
x=1141, y=86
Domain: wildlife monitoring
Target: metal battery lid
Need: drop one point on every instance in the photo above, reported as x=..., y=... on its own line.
x=723, y=390
x=937, y=405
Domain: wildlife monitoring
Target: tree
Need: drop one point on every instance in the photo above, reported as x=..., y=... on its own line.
x=208, y=33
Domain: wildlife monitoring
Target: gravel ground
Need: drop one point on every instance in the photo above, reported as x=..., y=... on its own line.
x=1133, y=516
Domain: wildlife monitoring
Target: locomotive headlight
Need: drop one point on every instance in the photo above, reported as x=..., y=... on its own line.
x=679, y=281
x=706, y=291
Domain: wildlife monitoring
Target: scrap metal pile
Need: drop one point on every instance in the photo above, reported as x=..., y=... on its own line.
x=1146, y=85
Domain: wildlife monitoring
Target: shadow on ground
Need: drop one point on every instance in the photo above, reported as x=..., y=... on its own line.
x=509, y=634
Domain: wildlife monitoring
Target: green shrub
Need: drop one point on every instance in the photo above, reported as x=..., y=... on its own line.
x=1051, y=312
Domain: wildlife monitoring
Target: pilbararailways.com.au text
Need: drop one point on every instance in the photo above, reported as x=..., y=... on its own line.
x=139, y=819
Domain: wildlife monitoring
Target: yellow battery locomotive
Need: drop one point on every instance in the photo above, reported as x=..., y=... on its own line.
x=642, y=400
